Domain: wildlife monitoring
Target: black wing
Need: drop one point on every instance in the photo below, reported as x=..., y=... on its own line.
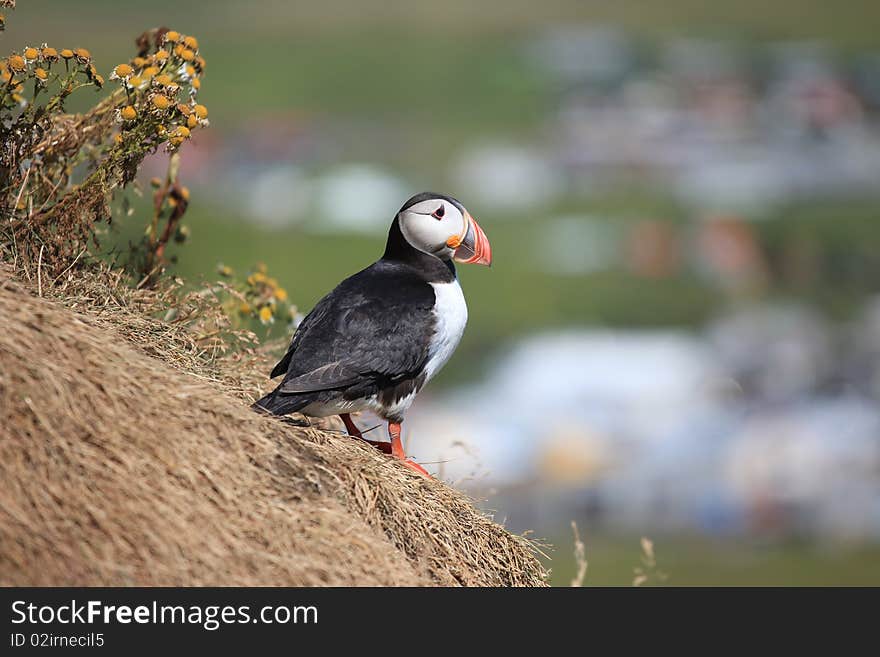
x=374, y=328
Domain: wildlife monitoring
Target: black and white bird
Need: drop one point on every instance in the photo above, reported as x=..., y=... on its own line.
x=383, y=333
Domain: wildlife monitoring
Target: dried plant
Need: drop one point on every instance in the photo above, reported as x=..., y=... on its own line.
x=648, y=572
x=580, y=557
x=59, y=171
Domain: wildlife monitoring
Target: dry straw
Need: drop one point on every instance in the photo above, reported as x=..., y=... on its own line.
x=129, y=458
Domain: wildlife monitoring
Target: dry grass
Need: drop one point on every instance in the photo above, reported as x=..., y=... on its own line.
x=129, y=456
x=580, y=557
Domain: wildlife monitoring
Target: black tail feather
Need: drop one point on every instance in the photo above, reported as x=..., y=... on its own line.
x=280, y=404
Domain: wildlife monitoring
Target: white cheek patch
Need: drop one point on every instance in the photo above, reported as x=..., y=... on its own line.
x=426, y=233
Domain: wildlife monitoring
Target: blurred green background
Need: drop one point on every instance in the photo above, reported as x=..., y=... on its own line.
x=409, y=90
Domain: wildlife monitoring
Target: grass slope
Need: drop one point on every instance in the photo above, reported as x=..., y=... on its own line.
x=122, y=466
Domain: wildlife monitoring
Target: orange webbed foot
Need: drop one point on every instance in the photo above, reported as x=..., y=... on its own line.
x=415, y=467
x=398, y=453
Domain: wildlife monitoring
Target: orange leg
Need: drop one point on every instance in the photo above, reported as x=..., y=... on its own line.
x=398, y=453
x=353, y=431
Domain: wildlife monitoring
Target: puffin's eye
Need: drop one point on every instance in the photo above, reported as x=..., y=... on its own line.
x=439, y=212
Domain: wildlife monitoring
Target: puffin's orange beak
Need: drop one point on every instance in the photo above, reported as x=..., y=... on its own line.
x=474, y=247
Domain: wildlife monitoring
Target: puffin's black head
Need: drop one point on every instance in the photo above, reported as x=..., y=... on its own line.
x=439, y=225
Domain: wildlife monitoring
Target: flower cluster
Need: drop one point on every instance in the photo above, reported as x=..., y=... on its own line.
x=61, y=171
x=43, y=66
x=161, y=85
x=261, y=297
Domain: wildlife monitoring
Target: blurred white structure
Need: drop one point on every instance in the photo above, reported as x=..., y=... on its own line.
x=820, y=458
x=279, y=196
x=729, y=431
x=506, y=177
x=776, y=353
x=595, y=387
x=357, y=197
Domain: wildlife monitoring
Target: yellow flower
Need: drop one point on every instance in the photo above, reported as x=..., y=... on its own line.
x=182, y=131
x=161, y=102
x=163, y=79
x=184, y=109
x=128, y=113
x=192, y=121
x=172, y=35
x=149, y=72
x=30, y=54
x=118, y=139
x=41, y=74
x=138, y=62
x=265, y=314
x=196, y=83
x=184, y=193
x=67, y=53
x=201, y=63
x=82, y=55
x=122, y=71
x=281, y=294
x=187, y=54
x=161, y=55
x=201, y=111
x=134, y=82
x=190, y=70
x=16, y=63
x=191, y=42
x=50, y=54
x=245, y=308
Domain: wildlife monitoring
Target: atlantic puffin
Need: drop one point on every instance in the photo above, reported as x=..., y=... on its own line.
x=383, y=333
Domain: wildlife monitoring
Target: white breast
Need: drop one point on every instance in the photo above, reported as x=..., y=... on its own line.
x=450, y=310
